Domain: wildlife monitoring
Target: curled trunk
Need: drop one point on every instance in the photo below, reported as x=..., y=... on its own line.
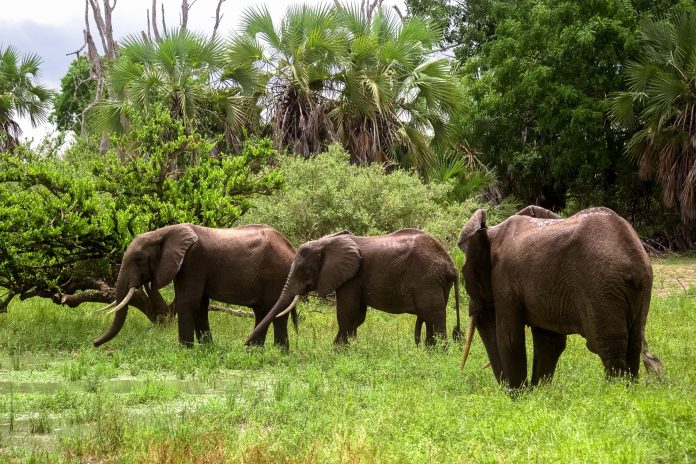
x=119, y=317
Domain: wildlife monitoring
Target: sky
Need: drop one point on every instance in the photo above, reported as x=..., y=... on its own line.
x=53, y=28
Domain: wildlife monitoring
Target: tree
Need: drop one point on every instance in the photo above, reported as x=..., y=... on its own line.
x=20, y=95
x=535, y=100
x=65, y=220
x=355, y=75
x=660, y=104
x=77, y=92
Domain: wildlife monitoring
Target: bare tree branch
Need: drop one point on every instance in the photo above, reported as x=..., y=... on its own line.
x=164, y=24
x=218, y=17
x=154, y=21
x=234, y=312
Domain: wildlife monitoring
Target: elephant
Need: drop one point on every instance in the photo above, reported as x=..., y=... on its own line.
x=245, y=265
x=588, y=274
x=407, y=271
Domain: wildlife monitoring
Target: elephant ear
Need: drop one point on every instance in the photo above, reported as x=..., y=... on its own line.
x=476, y=223
x=537, y=212
x=176, y=242
x=341, y=261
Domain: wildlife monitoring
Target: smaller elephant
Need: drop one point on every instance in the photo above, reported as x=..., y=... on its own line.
x=407, y=271
x=587, y=275
x=246, y=266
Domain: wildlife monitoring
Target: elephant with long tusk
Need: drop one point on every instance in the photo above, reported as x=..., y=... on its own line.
x=407, y=271
x=246, y=266
x=588, y=274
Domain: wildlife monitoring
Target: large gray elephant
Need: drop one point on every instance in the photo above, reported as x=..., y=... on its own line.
x=587, y=275
x=407, y=271
x=246, y=266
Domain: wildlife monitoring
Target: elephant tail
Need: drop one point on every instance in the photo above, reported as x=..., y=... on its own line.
x=457, y=333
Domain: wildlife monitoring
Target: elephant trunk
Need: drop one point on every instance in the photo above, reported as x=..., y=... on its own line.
x=286, y=302
x=120, y=316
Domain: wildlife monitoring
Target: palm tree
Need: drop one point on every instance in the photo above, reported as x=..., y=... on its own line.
x=352, y=74
x=395, y=96
x=181, y=72
x=20, y=95
x=660, y=104
x=294, y=60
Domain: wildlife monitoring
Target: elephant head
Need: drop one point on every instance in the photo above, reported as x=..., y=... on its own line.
x=474, y=241
x=152, y=258
x=320, y=265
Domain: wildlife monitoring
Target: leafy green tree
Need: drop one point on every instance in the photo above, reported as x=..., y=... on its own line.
x=536, y=108
x=77, y=92
x=20, y=95
x=65, y=220
x=660, y=103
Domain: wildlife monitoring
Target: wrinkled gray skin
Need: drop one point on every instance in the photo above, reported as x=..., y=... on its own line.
x=246, y=266
x=587, y=275
x=407, y=271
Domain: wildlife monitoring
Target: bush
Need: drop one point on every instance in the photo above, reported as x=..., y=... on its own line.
x=326, y=194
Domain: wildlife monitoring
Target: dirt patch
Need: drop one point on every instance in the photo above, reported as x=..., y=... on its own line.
x=674, y=277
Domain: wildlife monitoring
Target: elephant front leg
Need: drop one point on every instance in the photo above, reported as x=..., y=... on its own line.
x=202, y=324
x=511, y=346
x=186, y=309
x=350, y=312
x=548, y=347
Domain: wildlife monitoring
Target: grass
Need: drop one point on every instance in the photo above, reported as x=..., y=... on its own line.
x=142, y=398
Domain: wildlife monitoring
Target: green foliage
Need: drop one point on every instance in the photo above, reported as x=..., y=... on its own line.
x=77, y=91
x=20, y=95
x=66, y=220
x=537, y=75
x=326, y=194
x=660, y=103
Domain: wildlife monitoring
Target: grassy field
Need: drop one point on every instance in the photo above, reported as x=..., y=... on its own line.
x=141, y=398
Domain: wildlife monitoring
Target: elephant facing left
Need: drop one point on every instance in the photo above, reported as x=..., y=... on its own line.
x=245, y=266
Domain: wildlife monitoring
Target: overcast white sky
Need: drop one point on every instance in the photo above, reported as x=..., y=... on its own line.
x=53, y=28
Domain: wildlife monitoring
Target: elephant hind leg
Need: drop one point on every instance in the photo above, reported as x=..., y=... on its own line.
x=435, y=326
x=548, y=347
x=635, y=350
x=280, y=332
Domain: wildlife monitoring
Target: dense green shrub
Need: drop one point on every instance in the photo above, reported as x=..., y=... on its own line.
x=326, y=194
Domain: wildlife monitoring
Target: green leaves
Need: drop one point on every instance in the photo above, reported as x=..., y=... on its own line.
x=660, y=103
x=66, y=220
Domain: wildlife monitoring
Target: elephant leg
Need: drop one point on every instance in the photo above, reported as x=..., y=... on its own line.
x=360, y=319
x=635, y=349
x=202, y=325
x=511, y=344
x=186, y=309
x=548, y=347
x=280, y=332
x=348, y=309
x=260, y=337
x=435, y=327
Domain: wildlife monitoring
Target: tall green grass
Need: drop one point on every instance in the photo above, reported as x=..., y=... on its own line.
x=142, y=398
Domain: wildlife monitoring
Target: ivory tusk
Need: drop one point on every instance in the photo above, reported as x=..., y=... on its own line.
x=107, y=307
x=124, y=302
x=292, y=305
x=469, y=338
